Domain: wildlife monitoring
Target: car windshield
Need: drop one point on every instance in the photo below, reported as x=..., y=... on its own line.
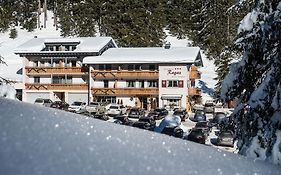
x=39, y=100
x=199, y=112
x=201, y=124
x=226, y=134
x=209, y=105
x=47, y=101
x=220, y=115
x=178, y=113
x=77, y=103
x=113, y=107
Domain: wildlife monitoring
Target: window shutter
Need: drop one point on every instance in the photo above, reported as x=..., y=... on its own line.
x=164, y=83
x=181, y=83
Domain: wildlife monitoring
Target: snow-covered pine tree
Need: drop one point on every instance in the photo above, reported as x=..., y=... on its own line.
x=256, y=82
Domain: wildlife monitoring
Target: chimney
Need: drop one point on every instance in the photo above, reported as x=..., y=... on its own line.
x=167, y=45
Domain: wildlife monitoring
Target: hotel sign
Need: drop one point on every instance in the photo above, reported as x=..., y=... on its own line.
x=174, y=72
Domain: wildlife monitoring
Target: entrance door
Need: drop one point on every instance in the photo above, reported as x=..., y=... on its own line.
x=59, y=96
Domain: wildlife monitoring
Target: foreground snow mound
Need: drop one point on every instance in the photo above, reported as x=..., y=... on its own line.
x=40, y=140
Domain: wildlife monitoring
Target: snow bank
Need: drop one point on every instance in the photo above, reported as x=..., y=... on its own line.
x=276, y=154
x=7, y=91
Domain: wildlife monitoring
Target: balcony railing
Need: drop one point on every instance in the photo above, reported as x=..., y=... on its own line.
x=194, y=91
x=125, y=73
x=35, y=86
x=55, y=70
x=125, y=91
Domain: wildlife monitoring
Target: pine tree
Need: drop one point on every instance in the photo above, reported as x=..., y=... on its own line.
x=255, y=81
x=13, y=33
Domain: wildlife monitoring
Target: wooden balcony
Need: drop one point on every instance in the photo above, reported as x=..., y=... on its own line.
x=125, y=91
x=56, y=86
x=125, y=73
x=192, y=91
x=55, y=70
x=194, y=73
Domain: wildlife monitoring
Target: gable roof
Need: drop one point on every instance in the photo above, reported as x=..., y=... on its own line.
x=146, y=55
x=85, y=44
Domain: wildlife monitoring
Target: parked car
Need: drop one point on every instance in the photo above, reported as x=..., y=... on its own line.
x=114, y=109
x=123, y=120
x=60, y=105
x=197, y=135
x=145, y=123
x=204, y=126
x=219, y=118
x=77, y=106
x=225, y=138
x=181, y=113
x=43, y=101
x=161, y=113
x=209, y=107
x=175, y=131
x=123, y=109
x=136, y=113
x=95, y=107
x=101, y=116
x=199, y=116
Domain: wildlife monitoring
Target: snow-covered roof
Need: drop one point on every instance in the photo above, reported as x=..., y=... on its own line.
x=146, y=55
x=85, y=44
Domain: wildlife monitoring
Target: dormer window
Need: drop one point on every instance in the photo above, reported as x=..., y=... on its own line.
x=60, y=46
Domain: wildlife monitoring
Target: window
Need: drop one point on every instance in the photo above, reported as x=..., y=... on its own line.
x=141, y=84
x=164, y=83
x=151, y=67
x=101, y=67
x=130, y=67
x=57, y=79
x=175, y=83
x=131, y=84
x=105, y=83
x=36, y=79
x=108, y=67
x=153, y=83
x=138, y=67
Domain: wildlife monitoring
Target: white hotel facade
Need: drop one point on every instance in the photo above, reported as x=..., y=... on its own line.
x=94, y=69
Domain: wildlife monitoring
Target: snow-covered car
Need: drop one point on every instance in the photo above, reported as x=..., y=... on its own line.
x=95, y=107
x=43, y=101
x=181, y=113
x=171, y=120
x=77, y=106
x=199, y=116
x=114, y=109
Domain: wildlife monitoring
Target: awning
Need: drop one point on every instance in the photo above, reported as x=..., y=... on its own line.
x=171, y=96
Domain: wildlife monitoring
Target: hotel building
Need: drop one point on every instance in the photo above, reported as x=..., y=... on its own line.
x=145, y=77
x=52, y=68
x=94, y=69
